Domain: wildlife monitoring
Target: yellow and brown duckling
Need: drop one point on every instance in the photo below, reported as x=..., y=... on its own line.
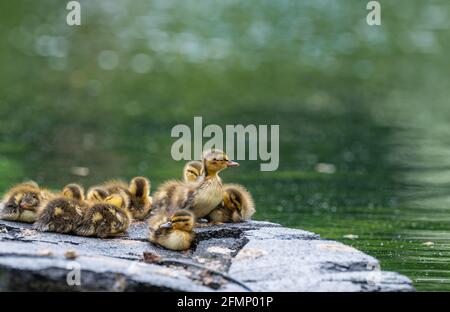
x=106, y=218
x=237, y=205
x=64, y=213
x=201, y=196
x=138, y=192
x=174, y=232
x=22, y=202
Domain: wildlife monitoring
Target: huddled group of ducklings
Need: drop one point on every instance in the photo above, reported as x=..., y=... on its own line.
x=108, y=209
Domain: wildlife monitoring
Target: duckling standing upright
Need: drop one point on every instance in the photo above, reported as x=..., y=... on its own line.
x=138, y=192
x=106, y=218
x=172, y=231
x=64, y=213
x=201, y=196
x=237, y=204
x=21, y=202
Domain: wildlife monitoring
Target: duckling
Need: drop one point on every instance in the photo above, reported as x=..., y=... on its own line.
x=174, y=232
x=201, y=196
x=237, y=205
x=138, y=192
x=21, y=202
x=106, y=218
x=64, y=213
x=140, y=199
x=192, y=171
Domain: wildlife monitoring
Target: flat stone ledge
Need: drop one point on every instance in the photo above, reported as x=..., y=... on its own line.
x=261, y=255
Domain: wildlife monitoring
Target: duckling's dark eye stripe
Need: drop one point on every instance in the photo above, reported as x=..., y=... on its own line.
x=194, y=172
x=181, y=220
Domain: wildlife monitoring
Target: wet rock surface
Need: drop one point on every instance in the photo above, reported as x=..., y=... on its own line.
x=259, y=256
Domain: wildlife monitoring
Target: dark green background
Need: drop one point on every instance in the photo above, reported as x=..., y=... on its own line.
x=371, y=101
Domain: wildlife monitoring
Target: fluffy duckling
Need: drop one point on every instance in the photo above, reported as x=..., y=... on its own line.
x=21, y=202
x=174, y=232
x=200, y=197
x=140, y=200
x=64, y=213
x=109, y=217
x=237, y=205
x=138, y=192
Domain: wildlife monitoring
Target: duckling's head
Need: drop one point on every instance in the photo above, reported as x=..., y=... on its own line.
x=97, y=194
x=28, y=198
x=73, y=191
x=181, y=220
x=192, y=171
x=216, y=160
x=120, y=200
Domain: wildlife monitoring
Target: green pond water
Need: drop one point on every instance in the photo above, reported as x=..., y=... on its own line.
x=363, y=111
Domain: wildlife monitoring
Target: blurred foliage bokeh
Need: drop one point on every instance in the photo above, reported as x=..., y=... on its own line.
x=363, y=110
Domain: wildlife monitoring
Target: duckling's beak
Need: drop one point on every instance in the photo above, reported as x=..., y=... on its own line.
x=24, y=206
x=231, y=163
x=167, y=225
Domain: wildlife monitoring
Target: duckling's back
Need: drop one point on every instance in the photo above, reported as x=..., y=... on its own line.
x=60, y=215
x=103, y=220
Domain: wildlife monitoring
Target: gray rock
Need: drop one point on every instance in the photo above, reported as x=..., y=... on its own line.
x=261, y=255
